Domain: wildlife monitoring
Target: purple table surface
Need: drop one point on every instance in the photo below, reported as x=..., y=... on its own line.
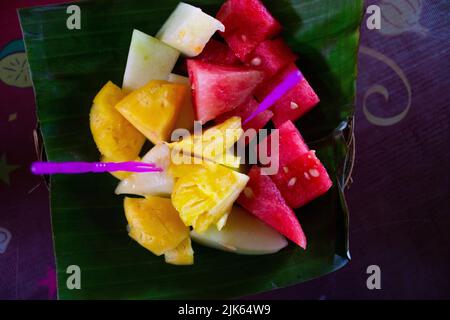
x=399, y=198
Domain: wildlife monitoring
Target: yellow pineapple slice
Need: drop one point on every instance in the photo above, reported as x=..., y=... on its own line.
x=228, y=159
x=204, y=193
x=116, y=139
x=214, y=144
x=186, y=118
x=154, y=108
x=181, y=255
x=154, y=223
x=223, y=220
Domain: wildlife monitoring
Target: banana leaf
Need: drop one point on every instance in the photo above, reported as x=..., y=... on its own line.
x=89, y=228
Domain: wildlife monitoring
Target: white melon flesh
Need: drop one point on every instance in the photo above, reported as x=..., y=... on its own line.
x=150, y=183
x=175, y=78
x=148, y=59
x=243, y=233
x=188, y=29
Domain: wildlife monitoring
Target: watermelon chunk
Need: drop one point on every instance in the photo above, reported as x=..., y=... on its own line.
x=291, y=143
x=262, y=198
x=302, y=180
x=218, y=89
x=244, y=111
x=247, y=24
x=271, y=56
x=295, y=103
x=301, y=177
x=218, y=53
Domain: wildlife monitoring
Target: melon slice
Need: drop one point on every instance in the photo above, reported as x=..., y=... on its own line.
x=262, y=198
x=218, y=53
x=271, y=56
x=244, y=111
x=295, y=103
x=302, y=180
x=154, y=108
x=291, y=143
x=243, y=234
x=188, y=29
x=301, y=176
x=148, y=59
x=181, y=255
x=218, y=88
x=116, y=139
x=247, y=24
x=154, y=223
x=150, y=183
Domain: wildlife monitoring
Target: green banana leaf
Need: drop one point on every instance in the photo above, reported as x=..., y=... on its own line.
x=69, y=67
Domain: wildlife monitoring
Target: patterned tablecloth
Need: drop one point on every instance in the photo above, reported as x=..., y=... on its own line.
x=399, y=199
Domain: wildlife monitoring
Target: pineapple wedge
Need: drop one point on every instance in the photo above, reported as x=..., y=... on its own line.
x=155, y=224
x=186, y=117
x=228, y=159
x=116, y=139
x=148, y=59
x=150, y=183
x=204, y=193
x=188, y=29
x=214, y=144
x=153, y=109
x=181, y=255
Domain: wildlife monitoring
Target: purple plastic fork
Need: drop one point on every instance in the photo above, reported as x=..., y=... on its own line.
x=287, y=84
x=40, y=168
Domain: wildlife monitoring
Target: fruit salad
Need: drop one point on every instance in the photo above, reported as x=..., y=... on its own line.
x=187, y=91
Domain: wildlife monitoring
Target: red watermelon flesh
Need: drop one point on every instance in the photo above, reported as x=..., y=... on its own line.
x=302, y=180
x=218, y=53
x=301, y=177
x=271, y=56
x=262, y=198
x=217, y=89
x=295, y=103
x=291, y=143
x=244, y=111
x=247, y=24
